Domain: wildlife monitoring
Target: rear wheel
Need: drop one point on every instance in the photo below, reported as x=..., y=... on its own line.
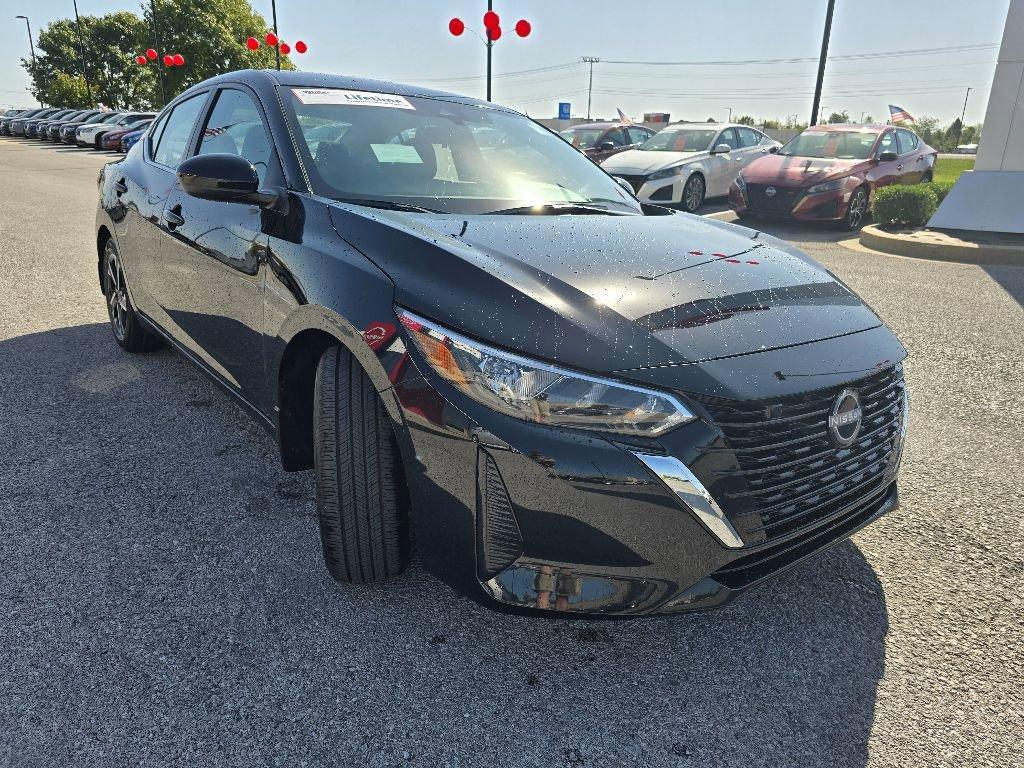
x=927, y=178
x=361, y=498
x=856, y=211
x=693, y=193
x=124, y=321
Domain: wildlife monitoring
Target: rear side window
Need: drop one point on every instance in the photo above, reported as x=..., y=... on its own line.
x=172, y=141
x=908, y=141
x=749, y=137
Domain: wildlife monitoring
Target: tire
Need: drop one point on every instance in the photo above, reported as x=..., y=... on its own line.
x=694, y=192
x=856, y=211
x=125, y=323
x=361, y=499
x=927, y=178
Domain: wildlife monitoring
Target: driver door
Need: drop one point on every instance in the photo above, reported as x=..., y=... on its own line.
x=723, y=168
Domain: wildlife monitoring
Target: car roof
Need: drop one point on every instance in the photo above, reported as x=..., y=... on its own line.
x=604, y=124
x=875, y=128
x=296, y=79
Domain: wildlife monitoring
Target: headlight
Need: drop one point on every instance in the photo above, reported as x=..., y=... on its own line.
x=828, y=186
x=534, y=391
x=675, y=170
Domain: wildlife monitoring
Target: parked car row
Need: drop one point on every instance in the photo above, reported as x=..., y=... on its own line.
x=827, y=173
x=95, y=128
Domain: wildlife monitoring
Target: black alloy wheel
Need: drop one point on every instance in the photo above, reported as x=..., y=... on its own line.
x=693, y=193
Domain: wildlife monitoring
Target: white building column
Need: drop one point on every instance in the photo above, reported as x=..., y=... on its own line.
x=991, y=197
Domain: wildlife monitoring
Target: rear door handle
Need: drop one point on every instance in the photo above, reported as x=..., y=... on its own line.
x=172, y=217
x=899, y=167
x=120, y=187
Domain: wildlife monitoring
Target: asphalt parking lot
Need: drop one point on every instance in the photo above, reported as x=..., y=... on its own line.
x=162, y=599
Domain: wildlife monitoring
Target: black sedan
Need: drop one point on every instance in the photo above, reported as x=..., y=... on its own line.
x=483, y=344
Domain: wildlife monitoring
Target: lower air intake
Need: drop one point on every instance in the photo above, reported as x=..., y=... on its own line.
x=500, y=542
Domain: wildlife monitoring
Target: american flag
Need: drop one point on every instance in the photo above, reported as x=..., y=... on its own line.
x=900, y=115
x=624, y=118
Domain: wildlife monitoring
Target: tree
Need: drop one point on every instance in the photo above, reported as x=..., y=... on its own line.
x=110, y=43
x=869, y=119
x=839, y=117
x=211, y=35
x=745, y=120
x=771, y=125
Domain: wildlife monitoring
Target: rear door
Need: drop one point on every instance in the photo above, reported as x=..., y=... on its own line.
x=753, y=144
x=214, y=252
x=913, y=160
x=887, y=172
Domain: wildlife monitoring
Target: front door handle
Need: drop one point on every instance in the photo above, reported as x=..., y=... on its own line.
x=172, y=217
x=899, y=167
x=120, y=187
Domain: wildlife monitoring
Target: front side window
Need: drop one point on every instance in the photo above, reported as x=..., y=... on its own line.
x=582, y=138
x=637, y=135
x=439, y=154
x=616, y=136
x=680, y=140
x=728, y=137
x=172, y=141
x=236, y=127
x=829, y=145
x=888, y=143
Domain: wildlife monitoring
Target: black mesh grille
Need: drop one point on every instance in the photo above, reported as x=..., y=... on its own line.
x=782, y=201
x=634, y=181
x=500, y=541
x=793, y=473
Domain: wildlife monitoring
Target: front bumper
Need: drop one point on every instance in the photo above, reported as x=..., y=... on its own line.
x=529, y=517
x=792, y=204
x=667, y=191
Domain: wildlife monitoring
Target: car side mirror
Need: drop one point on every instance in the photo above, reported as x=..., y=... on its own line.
x=606, y=146
x=228, y=178
x=625, y=185
x=721, y=149
x=888, y=157
x=773, y=150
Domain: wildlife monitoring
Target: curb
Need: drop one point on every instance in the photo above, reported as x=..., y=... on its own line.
x=897, y=244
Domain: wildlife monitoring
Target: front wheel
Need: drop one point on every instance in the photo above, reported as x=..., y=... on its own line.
x=124, y=321
x=361, y=498
x=693, y=193
x=856, y=211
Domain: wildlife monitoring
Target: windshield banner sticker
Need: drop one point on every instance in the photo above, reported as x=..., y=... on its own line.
x=354, y=98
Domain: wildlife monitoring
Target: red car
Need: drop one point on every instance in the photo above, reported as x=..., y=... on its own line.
x=599, y=141
x=112, y=140
x=830, y=173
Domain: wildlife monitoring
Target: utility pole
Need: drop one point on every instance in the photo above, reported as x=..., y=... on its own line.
x=591, y=60
x=277, y=48
x=31, y=45
x=960, y=130
x=81, y=49
x=159, y=63
x=821, y=61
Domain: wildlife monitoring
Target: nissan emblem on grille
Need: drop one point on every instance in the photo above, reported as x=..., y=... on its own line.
x=845, y=418
x=770, y=192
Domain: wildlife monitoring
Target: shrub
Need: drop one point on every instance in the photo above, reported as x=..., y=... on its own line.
x=904, y=205
x=940, y=188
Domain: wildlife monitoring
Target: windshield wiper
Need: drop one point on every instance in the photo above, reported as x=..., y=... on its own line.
x=388, y=205
x=557, y=209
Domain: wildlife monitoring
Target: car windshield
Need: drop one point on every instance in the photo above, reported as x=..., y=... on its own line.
x=583, y=138
x=440, y=155
x=680, y=140
x=832, y=145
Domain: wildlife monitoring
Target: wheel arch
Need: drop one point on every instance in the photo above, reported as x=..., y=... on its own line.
x=103, y=235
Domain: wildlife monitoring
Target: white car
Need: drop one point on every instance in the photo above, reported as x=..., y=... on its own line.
x=687, y=162
x=90, y=135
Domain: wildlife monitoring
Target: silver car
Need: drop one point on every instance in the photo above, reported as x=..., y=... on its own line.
x=687, y=162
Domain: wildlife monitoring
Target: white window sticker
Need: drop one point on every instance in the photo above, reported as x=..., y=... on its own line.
x=396, y=153
x=354, y=98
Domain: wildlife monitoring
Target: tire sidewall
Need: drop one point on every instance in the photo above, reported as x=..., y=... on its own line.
x=693, y=179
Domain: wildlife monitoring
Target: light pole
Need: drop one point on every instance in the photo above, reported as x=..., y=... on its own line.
x=821, y=61
x=591, y=60
x=31, y=45
x=960, y=130
x=730, y=114
x=492, y=33
x=81, y=49
x=157, y=47
x=277, y=48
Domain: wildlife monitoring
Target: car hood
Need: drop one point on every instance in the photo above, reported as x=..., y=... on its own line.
x=642, y=162
x=606, y=293
x=786, y=171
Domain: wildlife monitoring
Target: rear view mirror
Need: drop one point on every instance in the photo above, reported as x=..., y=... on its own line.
x=774, y=150
x=625, y=185
x=888, y=157
x=722, y=149
x=227, y=178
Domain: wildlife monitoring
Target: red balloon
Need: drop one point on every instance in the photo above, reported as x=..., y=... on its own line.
x=151, y=54
x=491, y=20
x=285, y=48
x=300, y=47
x=523, y=28
x=168, y=60
x=179, y=60
x=456, y=27
x=252, y=44
x=140, y=60
x=494, y=33
x=271, y=38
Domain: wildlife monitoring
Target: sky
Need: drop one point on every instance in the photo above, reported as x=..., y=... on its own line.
x=408, y=41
